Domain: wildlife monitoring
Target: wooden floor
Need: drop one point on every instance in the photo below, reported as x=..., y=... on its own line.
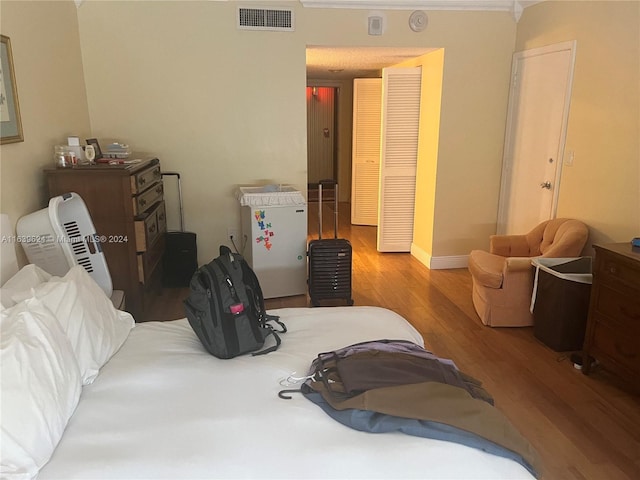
x=584, y=428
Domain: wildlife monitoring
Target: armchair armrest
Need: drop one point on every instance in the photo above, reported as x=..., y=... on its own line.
x=509, y=245
x=517, y=264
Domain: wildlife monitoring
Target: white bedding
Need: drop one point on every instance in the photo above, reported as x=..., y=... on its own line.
x=164, y=408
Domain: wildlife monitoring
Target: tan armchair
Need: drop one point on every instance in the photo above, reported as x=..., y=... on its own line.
x=502, y=277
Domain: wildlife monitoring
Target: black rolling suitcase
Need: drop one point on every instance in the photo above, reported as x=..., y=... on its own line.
x=329, y=260
x=180, y=259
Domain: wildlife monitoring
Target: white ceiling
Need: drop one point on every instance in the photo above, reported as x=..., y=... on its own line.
x=327, y=63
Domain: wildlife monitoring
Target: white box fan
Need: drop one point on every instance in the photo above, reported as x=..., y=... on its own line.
x=61, y=236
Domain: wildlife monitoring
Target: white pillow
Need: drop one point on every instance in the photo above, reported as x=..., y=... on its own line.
x=95, y=328
x=40, y=387
x=28, y=277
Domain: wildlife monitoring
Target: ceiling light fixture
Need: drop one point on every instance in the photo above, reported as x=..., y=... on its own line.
x=336, y=70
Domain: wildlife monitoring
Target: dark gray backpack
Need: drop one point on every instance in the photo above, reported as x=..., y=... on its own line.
x=226, y=309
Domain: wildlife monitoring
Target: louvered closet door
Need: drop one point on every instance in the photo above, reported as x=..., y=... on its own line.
x=399, y=155
x=365, y=160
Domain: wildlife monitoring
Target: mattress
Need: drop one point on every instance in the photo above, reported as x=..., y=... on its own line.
x=163, y=408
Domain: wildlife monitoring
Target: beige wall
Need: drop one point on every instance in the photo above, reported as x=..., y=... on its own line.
x=51, y=89
x=224, y=107
x=602, y=187
x=227, y=107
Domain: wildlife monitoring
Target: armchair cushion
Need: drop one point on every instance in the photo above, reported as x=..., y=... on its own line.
x=509, y=245
x=566, y=239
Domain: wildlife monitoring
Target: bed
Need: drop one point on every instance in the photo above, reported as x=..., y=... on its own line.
x=161, y=407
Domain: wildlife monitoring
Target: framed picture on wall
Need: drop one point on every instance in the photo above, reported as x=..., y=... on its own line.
x=10, y=122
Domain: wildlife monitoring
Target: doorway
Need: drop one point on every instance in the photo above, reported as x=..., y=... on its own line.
x=322, y=158
x=535, y=136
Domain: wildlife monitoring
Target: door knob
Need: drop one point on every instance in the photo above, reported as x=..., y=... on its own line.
x=546, y=185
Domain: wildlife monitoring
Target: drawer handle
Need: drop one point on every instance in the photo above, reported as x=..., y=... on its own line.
x=156, y=172
x=142, y=181
x=159, y=190
x=152, y=228
x=143, y=202
x=628, y=314
x=161, y=216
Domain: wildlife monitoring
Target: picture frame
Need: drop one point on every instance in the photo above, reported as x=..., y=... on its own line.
x=10, y=121
x=96, y=147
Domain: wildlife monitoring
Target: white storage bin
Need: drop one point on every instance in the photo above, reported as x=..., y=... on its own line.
x=61, y=236
x=270, y=195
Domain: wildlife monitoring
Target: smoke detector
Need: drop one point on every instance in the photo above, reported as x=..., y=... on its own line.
x=418, y=21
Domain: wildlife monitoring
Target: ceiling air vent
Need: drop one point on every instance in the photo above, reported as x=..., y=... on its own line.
x=279, y=19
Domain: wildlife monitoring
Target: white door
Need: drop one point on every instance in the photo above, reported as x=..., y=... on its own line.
x=535, y=135
x=399, y=157
x=365, y=158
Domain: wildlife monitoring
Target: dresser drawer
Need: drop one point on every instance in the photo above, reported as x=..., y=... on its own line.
x=616, y=271
x=149, y=229
x=146, y=199
x=141, y=180
x=621, y=307
x=613, y=327
x=148, y=260
x=619, y=345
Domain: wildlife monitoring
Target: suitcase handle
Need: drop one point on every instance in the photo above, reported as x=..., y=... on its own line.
x=322, y=183
x=176, y=174
x=328, y=181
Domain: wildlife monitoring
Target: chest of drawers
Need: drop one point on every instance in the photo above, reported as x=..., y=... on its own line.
x=126, y=203
x=613, y=327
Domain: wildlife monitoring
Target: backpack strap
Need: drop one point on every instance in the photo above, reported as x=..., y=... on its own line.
x=273, y=348
x=257, y=298
x=251, y=280
x=275, y=318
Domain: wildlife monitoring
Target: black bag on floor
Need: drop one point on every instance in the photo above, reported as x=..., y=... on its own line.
x=180, y=258
x=226, y=309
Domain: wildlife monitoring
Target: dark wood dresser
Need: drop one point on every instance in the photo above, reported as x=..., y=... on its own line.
x=613, y=326
x=126, y=203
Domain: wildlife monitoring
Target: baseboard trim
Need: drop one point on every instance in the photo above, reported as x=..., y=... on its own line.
x=439, y=263
x=451, y=261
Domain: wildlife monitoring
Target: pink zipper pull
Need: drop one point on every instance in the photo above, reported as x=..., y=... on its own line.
x=236, y=308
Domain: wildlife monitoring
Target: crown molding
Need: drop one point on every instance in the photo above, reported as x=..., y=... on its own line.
x=515, y=7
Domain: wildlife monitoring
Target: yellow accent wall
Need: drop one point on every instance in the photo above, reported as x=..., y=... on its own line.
x=427, y=169
x=602, y=187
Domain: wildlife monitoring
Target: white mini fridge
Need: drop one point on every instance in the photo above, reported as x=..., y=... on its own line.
x=274, y=221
